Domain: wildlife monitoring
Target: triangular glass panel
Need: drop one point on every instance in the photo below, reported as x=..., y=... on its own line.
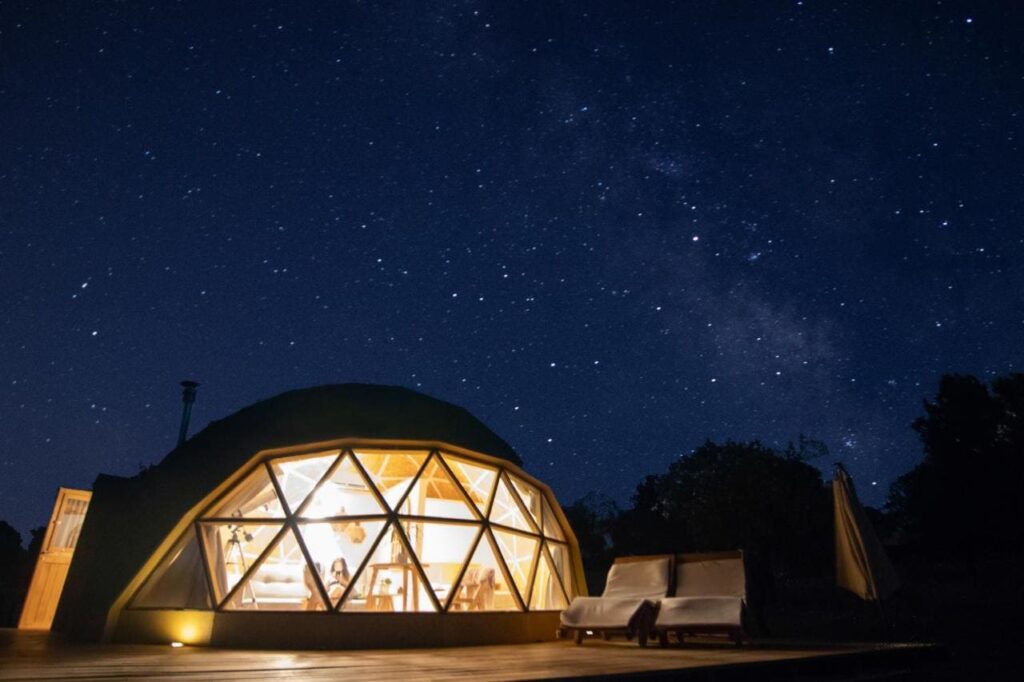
x=506, y=510
x=519, y=552
x=253, y=498
x=391, y=580
x=560, y=559
x=485, y=586
x=476, y=479
x=297, y=476
x=392, y=471
x=338, y=550
x=282, y=581
x=547, y=594
x=420, y=597
x=435, y=493
x=443, y=549
x=179, y=581
x=231, y=549
x=552, y=529
x=345, y=493
x=530, y=497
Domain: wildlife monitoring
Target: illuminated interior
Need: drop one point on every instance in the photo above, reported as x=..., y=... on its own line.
x=370, y=530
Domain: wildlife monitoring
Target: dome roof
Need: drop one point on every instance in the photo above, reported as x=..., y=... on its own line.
x=334, y=411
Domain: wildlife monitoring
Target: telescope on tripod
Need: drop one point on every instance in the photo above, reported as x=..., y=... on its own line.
x=235, y=556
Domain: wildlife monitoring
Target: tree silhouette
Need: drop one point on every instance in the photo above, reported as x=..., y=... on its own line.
x=734, y=495
x=12, y=571
x=964, y=497
x=591, y=518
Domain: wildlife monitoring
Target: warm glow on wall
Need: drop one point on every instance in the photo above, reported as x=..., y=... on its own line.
x=189, y=631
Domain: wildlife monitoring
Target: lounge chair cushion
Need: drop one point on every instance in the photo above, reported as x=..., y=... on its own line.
x=631, y=587
x=692, y=611
x=602, y=612
x=646, y=579
x=711, y=578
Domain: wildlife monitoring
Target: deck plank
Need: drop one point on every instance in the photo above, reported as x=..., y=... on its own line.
x=36, y=658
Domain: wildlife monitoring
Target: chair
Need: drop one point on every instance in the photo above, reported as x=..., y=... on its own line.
x=628, y=604
x=710, y=598
x=477, y=590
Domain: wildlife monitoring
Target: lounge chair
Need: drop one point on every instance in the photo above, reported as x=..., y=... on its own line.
x=628, y=604
x=710, y=598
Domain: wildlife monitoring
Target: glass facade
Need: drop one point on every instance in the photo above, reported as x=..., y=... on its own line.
x=370, y=530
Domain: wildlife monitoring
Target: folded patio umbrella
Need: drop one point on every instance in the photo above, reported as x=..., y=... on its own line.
x=862, y=566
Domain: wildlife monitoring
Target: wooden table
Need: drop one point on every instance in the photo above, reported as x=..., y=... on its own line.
x=384, y=602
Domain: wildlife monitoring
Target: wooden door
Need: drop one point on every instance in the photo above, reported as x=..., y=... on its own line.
x=54, y=559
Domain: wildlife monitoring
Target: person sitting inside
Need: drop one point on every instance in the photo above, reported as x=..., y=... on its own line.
x=338, y=579
x=335, y=582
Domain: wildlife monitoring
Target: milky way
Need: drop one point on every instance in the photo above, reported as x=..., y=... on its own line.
x=609, y=230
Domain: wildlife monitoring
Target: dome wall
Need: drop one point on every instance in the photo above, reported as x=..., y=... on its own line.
x=153, y=502
x=477, y=540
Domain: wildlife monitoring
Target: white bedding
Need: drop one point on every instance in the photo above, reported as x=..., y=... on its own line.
x=684, y=611
x=602, y=612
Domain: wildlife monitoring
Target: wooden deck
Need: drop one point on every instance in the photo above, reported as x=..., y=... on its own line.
x=25, y=656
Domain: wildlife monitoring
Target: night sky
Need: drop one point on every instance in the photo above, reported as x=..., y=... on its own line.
x=610, y=230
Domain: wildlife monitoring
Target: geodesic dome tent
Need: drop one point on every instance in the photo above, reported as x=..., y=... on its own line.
x=359, y=541
x=365, y=528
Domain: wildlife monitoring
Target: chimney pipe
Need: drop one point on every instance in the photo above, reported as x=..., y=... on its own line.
x=188, y=396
